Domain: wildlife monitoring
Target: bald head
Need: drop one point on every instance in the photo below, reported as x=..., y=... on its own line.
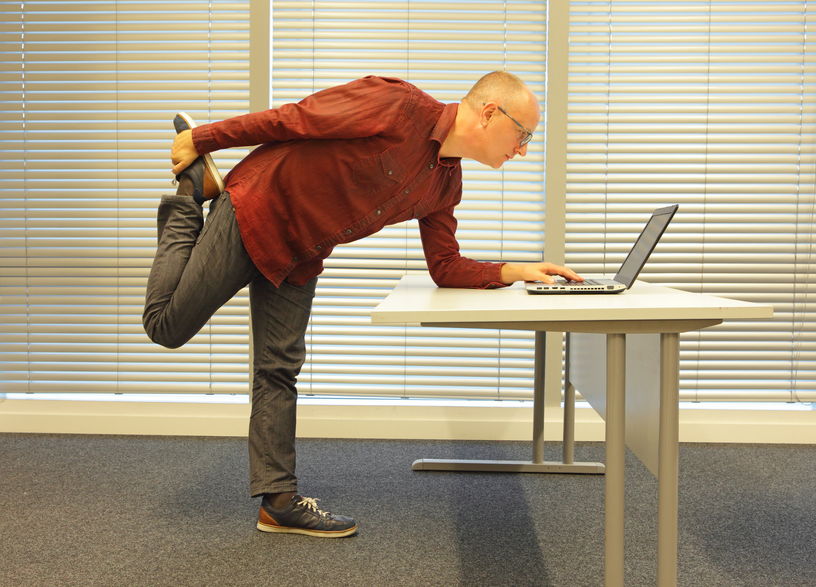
x=499, y=87
x=494, y=122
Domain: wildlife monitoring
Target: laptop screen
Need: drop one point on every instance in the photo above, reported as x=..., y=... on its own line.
x=644, y=245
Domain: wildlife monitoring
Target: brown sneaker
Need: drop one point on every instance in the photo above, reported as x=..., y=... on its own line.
x=207, y=181
x=302, y=516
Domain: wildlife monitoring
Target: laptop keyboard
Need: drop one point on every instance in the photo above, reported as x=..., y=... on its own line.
x=584, y=282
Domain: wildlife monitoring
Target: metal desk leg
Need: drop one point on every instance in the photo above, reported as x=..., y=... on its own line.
x=615, y=455
x=537, y=464
x=667, y=492
x=568, y=448
x=538, y=396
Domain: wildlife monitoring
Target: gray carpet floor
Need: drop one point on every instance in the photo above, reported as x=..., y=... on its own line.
x=116, y=510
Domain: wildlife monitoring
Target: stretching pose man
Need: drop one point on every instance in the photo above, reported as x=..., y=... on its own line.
x=335, y=167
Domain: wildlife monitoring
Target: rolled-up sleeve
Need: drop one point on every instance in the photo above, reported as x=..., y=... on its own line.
x=448, y=268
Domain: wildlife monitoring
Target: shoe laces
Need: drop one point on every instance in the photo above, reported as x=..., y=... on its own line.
x=311, y=504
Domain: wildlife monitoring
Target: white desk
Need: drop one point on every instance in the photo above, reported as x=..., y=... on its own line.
x=645, y=309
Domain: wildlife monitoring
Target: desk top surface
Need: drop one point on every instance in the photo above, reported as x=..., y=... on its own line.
x=416, y=299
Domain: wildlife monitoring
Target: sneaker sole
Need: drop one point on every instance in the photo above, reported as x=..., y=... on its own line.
x=305, y=531
x=209, y=164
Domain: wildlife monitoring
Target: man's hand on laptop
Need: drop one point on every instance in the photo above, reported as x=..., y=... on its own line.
x=513, y=272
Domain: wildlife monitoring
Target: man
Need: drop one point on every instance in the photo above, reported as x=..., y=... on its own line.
x=333, y=168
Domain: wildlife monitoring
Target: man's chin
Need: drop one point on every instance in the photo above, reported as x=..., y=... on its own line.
x=495, y=164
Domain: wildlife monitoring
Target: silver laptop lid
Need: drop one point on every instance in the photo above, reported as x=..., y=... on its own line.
x=644, y=245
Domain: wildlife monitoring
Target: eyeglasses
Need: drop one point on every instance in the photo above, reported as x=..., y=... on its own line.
x=527, y=136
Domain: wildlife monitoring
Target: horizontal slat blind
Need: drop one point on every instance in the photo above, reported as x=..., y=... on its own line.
x=443, y=49
x=710, y=105
x=89, y=91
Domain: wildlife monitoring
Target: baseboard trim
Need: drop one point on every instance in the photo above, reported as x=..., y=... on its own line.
x=390, y=421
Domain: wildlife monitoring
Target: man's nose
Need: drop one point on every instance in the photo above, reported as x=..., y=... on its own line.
x=522, y=150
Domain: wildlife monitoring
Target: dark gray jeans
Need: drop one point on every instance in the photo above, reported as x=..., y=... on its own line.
x=198, y=267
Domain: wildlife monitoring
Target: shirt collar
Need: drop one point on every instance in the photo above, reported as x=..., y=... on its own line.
x=440, y=132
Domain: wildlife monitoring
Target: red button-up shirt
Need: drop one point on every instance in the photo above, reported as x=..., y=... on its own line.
x=339, y=165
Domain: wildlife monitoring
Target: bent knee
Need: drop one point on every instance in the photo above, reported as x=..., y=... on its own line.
x=168, y=342
x=163, y=336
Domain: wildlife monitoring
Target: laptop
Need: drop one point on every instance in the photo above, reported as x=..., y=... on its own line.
x=629, y=270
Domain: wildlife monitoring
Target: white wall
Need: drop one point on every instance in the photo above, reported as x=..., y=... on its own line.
x=386, y=419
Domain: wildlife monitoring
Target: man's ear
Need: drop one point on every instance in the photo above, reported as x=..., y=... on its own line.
x=489, y=110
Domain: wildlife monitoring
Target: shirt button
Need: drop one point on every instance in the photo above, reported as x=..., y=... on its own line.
x=389, y=172
x=318, y=247
x=348, y=231
x=430, y=165
x=406, y=192
x=378, y=212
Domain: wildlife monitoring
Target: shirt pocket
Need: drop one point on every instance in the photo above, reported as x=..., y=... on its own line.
x=382, y=171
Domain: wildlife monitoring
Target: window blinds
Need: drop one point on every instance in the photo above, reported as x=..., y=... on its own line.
x=709, y=105
x=443, y=50
x=92, y=88
x=89, y=91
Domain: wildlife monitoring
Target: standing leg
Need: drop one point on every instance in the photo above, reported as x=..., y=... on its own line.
x=279, y=320
x=198, y=267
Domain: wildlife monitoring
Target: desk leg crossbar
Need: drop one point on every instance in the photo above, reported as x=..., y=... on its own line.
x=537, y=464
